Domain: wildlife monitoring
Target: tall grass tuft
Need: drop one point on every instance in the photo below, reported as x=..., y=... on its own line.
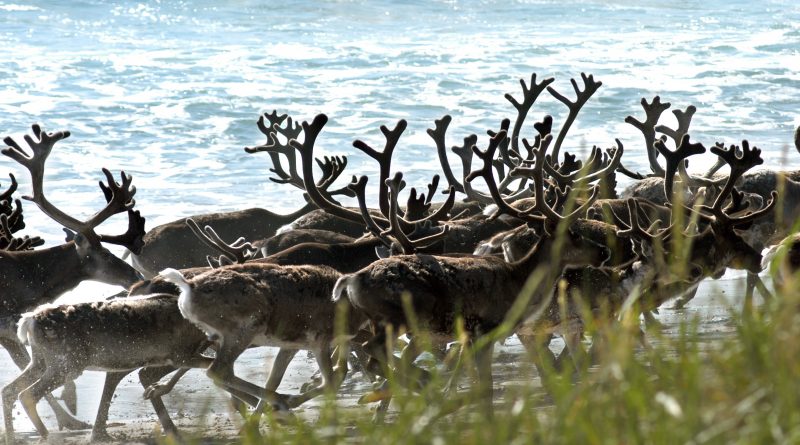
x=682, y=388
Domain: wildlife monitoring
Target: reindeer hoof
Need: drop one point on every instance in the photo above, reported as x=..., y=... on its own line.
x=377, y=395
x=101, y=436
x=67, y=422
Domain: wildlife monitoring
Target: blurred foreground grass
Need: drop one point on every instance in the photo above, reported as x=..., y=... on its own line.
x=743, y=388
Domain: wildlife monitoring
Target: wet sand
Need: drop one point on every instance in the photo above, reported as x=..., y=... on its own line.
x=202, y=410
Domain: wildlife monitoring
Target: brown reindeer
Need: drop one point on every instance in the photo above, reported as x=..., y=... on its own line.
x=478, y=290
x=32, y=277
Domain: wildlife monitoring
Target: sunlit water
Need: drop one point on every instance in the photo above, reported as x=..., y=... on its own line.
x=170, y=91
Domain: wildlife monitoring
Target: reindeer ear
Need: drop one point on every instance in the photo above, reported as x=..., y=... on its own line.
x=69, y=234
x=82, y=243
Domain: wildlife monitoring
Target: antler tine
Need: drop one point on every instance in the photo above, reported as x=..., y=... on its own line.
x=133, y=238
x=504, y=157
x=238, y=251
x=674, y=158
x=571, y=164
x=465, y=153
x=384, y=158
x=332, y=167
x=359, y=188
x=5, y=229
x=6, y=195
x=432, y=187
x=529, y=96
x=738, y=166
x=590, y=86
x=441, y=213
x=487, y=174
x=737, y=204
x=438, y=135
x=684, y=121
x=416, y=206
x=394, y=185
x=653, y=112
x=121, y=200
x=634, y=228
x=293, y=130
x=13, y=211
x=306, y=150
x=273, y=118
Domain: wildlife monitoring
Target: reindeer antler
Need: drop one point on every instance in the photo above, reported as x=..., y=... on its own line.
x=292, y=130
x=653, y=112
x=384, y=158
x=675, y=158
x=590, y=86
x=238, y=251
x=121, y=194
x=529, y=96
x=438, y=135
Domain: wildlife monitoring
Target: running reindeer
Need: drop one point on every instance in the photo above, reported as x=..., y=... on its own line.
x=29, y=278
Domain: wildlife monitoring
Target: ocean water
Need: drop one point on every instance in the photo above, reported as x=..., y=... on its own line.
x=169, y=91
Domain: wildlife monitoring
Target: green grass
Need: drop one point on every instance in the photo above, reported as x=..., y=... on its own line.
x=743, y=388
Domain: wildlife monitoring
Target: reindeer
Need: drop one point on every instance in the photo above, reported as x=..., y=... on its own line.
x=29, y=278
x=784, y=261
x=479, y=290
x=118, y=335
x=284, y=306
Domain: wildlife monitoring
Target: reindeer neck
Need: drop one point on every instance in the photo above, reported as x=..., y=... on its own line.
x=45, y=275
x=538, y=256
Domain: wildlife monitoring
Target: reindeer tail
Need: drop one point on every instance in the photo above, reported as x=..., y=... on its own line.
x=340, y=288
x=176, y=278
x=25, y=327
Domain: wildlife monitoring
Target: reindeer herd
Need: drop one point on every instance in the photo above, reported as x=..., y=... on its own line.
x=520, y=227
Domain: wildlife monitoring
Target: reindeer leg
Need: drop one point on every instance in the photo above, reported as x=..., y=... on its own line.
x=361, y=361
x=538, y=348
x=410, y=375
x=753, y=282
x=574, y=349
x=19, y=355
x=149, y=378
x=30, y=374
x=279, y=366
x=53, y=377
x=483, y=360
x=99, y=431
x=684, y=299
x=762, y=288
x=221, y=372
x=70, y=396
x=456, y=371
x=329, y=380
